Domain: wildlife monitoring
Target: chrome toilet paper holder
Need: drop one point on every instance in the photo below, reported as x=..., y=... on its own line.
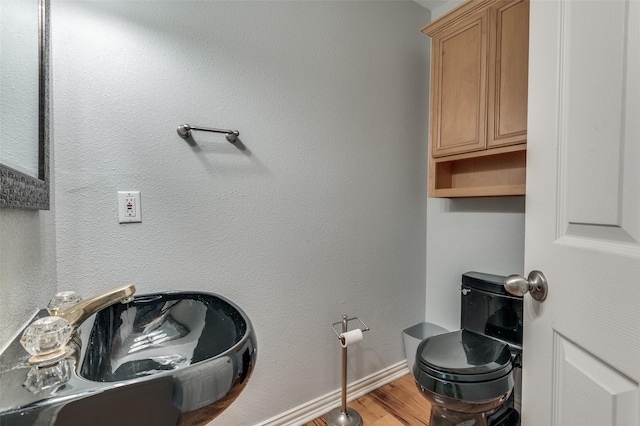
x=344, y=416
x=345, y=322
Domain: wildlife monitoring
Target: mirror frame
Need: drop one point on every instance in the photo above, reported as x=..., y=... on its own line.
x=18, y=190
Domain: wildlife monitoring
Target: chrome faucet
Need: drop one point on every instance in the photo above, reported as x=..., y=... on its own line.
x=79, y=312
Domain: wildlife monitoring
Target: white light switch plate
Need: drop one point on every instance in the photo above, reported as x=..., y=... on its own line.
x=129, y=210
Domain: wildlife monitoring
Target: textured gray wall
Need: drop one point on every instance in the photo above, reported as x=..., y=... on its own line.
x=323, y=213
x=27, y=267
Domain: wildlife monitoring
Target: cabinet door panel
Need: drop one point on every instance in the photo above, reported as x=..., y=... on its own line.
x=508, y=73
x=458, y=104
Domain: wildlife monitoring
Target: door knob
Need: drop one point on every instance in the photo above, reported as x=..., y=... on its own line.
x=535, y=284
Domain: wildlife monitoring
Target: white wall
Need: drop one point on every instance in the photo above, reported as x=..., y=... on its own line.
x=322, y=213
x=446, y=7
x=474, y=234
x=27, y=267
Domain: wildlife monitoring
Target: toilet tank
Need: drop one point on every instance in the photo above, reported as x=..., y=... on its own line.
x=487, y=308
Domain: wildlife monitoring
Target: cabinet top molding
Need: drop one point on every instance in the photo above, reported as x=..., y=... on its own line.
x=465, y=9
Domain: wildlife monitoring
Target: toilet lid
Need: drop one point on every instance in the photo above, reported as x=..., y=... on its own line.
x=464, y=356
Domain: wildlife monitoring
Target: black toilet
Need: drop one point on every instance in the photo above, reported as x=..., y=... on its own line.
x=472, y=376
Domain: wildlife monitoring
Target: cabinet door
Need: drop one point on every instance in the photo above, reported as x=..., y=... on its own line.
x=458, y=84
x=508, y=73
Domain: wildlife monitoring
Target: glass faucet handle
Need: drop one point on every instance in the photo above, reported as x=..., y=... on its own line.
x=62, y=301
x=48, y=376
x=46, y=339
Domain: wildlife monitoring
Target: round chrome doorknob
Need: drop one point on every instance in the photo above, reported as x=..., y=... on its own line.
x=535, y=284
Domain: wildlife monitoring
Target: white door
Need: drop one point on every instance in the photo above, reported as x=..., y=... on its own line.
x=582, y=345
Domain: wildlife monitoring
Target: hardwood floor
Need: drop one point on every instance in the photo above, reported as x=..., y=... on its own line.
x=395, y=404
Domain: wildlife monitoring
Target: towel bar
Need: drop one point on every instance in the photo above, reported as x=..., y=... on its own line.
x=184, y=131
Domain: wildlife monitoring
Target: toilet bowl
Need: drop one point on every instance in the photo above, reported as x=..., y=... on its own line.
x=464, y=376
x=468, y=376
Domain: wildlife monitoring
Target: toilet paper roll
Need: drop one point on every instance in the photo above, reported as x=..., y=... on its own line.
x=351, y=337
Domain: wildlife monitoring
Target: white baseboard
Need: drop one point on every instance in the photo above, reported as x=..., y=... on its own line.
x=320, y=406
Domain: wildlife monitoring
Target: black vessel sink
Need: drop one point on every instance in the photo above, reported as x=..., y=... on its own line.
x=194, y=337
x=176, y=358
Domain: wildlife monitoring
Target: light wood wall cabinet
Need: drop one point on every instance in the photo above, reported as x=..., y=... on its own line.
x=478, y=105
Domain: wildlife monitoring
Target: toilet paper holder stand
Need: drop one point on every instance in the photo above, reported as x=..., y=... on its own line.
x=344, y=416
x=345, y=322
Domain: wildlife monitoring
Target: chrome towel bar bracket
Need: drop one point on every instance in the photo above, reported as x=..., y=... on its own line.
x=184, y=131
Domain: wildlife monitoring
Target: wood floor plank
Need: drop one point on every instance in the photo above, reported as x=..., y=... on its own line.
x=387, y=420
x=403, y=400
x=367, y=408
x=398, y=403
